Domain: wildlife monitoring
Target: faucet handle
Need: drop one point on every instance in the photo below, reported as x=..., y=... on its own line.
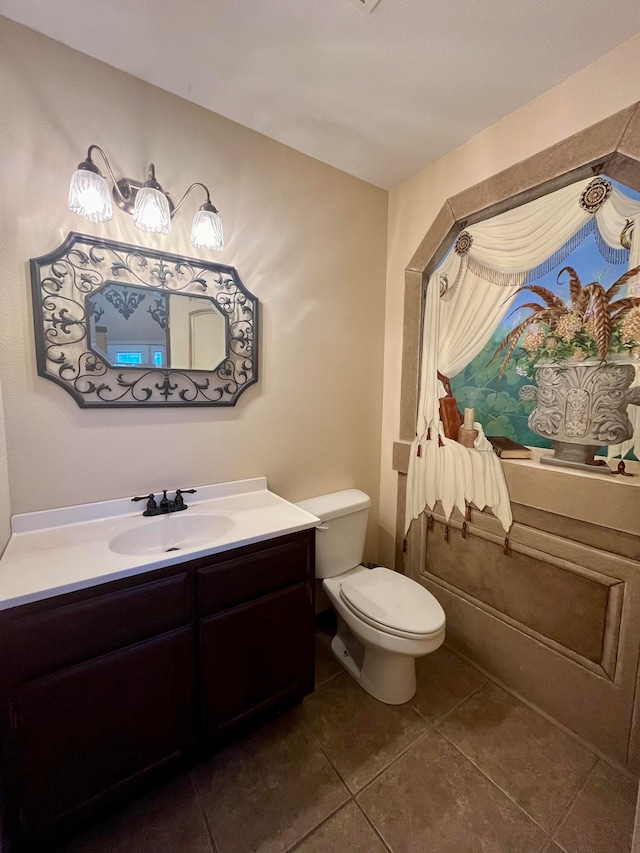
x=179, y=500
x=150, y=499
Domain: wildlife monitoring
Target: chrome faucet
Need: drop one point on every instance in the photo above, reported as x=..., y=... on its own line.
x=167, y=505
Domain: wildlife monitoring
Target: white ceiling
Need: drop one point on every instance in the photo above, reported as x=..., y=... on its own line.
x=378, y=95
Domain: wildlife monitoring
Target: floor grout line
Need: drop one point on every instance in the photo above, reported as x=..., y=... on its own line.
x=296, y=844
x=456, y=707
x=561, y=822
x=547, y=840
x=576, y=794
x=205, y=817
x=494, y=783
x=379, y=772
x=393, y=761
x=383, y=840
x=545, y=716
x=429, y=727
x=327, y=679
x=313, y=737
x=434, y=726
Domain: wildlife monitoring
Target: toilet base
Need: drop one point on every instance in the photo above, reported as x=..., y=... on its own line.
x=387, y=676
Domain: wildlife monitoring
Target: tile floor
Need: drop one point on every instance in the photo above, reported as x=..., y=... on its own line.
x=463, y=767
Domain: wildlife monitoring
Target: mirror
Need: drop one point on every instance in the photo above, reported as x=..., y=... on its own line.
x=138, y=327
x=119, y=325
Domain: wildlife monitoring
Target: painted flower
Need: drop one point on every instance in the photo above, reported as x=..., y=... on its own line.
x=567, y=325
x=533, y=339
x=592, y=324
x=630, y=328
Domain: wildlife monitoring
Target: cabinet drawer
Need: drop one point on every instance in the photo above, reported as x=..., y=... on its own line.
x=249, y=575
x=52, y=637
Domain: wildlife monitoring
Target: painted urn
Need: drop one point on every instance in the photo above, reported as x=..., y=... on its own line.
x=582, y=406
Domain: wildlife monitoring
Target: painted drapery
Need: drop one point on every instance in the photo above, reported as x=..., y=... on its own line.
x=468, y=295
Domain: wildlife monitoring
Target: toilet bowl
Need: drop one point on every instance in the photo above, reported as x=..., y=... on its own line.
x=385, y=620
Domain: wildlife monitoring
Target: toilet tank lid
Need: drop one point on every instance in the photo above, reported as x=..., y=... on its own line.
x=336, y=504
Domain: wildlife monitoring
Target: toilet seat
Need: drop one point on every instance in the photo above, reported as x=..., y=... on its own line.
x=393, y=603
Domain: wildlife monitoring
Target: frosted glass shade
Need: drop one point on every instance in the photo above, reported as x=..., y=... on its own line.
x=89, y=196
x=151, y=211
x=206, y=231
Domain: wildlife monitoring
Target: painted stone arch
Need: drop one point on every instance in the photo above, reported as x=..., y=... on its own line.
x=611, y=147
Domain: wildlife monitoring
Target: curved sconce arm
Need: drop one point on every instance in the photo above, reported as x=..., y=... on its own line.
x=208, y=202
x=123, y=187
x=151, y=207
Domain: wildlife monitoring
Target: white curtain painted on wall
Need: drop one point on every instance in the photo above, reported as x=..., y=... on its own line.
x=467, y=298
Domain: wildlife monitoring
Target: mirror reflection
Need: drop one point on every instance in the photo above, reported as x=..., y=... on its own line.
x=137, y=327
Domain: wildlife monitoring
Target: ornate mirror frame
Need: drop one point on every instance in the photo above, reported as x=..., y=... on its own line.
x=63, y=279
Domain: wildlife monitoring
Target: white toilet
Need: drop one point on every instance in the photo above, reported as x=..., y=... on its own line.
x=385, y=620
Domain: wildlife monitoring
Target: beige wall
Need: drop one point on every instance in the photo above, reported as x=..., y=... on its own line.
x=5, y=498
x=601, y=89
x=307, y=240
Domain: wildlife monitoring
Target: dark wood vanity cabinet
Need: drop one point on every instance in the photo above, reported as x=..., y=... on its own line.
x=256, y=653
x=109, y=688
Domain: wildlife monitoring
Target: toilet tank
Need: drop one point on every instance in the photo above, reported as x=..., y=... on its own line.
x=340, y=537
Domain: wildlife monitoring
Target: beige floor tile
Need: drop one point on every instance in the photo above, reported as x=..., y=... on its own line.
x=326, y=664
x=167, y=821
x=444, y=681
x=267, y=791
x=432, y=800
x=359, y=735
x=348, y=830
x=601, y=820
x=533, y=761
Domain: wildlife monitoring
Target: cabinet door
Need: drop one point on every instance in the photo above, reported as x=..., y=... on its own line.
x=256, y=658
x=89, y=728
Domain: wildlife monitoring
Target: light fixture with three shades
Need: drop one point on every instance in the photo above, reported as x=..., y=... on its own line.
x=151, y=206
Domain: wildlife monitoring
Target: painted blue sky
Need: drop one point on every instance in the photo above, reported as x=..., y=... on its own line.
x=587, y=262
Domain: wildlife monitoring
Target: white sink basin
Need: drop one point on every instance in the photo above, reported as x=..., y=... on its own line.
x=172, y=532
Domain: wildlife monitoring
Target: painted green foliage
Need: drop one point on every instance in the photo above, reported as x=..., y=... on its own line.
x=497, y=404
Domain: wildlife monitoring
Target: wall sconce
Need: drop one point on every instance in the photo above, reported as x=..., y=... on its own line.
x=150, y=205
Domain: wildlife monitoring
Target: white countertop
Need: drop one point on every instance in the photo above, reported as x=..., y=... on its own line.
x=63, y=550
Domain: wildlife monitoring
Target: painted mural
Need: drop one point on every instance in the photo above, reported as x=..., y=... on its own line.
x=579, y=308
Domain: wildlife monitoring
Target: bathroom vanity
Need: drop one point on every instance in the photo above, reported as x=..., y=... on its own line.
x=118, y=682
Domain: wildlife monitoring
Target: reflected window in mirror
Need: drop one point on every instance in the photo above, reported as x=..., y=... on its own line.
x=139, y=327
